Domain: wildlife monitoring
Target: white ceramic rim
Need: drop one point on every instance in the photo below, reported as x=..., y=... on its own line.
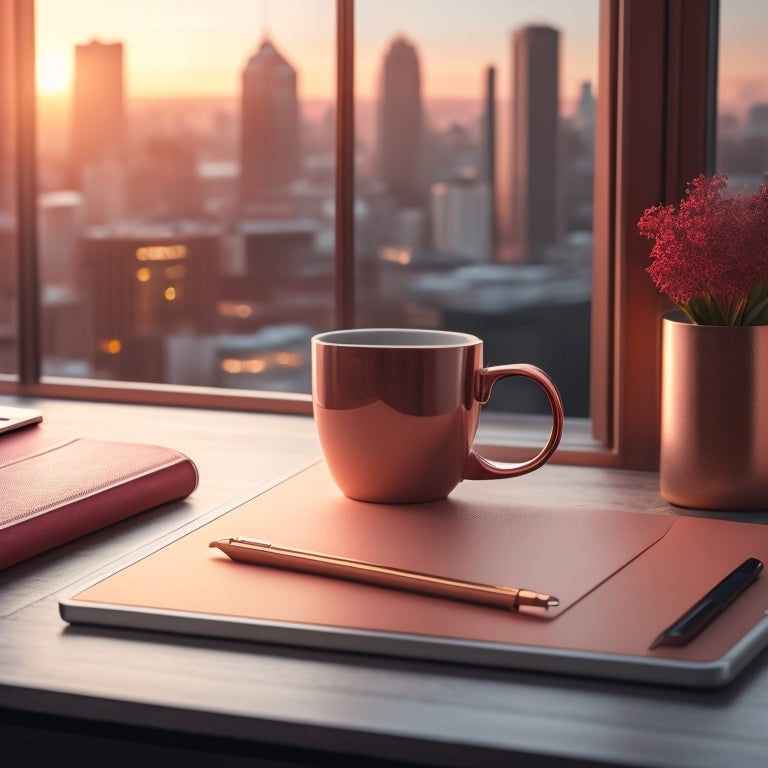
x=396, y=337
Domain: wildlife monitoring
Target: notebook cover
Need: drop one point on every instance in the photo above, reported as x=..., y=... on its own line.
x=621, y=579
x=54, y=490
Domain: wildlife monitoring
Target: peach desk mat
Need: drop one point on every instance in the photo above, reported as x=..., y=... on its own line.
x=621, y=579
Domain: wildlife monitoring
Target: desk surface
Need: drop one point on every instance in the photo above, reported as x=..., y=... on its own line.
x=319, y=702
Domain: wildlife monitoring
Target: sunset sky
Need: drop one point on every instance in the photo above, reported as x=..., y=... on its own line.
x=199, y=47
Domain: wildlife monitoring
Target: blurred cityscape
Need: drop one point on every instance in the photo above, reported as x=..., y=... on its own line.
x=191, y=240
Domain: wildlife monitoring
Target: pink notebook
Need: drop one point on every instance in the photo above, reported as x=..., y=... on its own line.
x=53, y=489
x=621, y=579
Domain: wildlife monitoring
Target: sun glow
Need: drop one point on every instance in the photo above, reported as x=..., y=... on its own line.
x=54, y=72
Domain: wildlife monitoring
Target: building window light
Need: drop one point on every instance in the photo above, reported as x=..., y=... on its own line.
x=161, y=252
x=110, y=346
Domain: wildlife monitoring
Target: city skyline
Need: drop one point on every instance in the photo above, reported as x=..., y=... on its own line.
x=271, y=251
x=181, y=34
x=440, y=113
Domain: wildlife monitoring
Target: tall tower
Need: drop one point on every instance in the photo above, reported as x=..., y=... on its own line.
x=535, y=193
x=98, y=112
x=400, y=124
x=269, y=143
x=488, y=152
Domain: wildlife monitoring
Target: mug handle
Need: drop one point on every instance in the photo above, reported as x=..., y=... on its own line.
x=479, y=468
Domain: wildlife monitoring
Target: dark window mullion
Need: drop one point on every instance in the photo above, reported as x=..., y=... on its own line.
x=345, y=167
x=29, y=364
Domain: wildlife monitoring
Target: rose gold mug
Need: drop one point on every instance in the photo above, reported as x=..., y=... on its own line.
x=397, y=411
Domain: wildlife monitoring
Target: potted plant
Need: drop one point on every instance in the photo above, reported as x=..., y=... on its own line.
x=710, y=256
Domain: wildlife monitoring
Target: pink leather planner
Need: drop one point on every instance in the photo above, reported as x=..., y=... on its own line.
x=621, y=578
x=54, y=489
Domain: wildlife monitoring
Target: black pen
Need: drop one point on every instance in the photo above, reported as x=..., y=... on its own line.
x=711, y=605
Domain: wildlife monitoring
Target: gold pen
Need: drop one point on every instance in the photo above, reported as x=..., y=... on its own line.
x=265, y=553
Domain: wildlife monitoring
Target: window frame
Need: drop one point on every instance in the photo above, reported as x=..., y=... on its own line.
x=651, y=138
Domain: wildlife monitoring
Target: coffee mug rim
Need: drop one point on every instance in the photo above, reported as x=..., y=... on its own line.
x=452, y=339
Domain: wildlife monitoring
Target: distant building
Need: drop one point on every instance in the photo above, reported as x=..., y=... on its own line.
x=461, y=218
x=98, y=109
x=284, y=275
x=59, y=218
x=401, y=125
x=270, y=151
x=141, y=287
x=586, y=112
x=757, y=124
x=488, y=153
x=535, y=190
x=164, y=183
x=104, y=187
x=275, y=251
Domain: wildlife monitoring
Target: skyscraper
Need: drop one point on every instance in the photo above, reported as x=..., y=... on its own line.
x=98, y=112
x=270, y=149
x=488, y=153
x=143, y=287
x=400, y=124
x=535, y=193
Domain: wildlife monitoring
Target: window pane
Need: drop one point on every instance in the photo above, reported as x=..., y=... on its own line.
x=8, y=258
x=186, y=189
x=475, y=134
x=742, y=106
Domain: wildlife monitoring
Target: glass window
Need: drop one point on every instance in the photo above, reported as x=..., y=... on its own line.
x=185, y=190
x=160, y=262
x=8, y=246
x=742, y=104
x=474, y=175
x=186, y=202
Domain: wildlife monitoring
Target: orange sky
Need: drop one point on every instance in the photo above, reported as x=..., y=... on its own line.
x=171, y=51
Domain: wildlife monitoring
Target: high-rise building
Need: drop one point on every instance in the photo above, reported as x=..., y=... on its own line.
x=142, y=287
x=98, y=110
x=400, y=124
x=488, y=153
x=586, y=112
x=59, y=218
x=270, y=151
x=535, y=190
x=461, y=218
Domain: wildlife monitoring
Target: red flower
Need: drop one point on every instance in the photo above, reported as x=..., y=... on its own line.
x=710, y=256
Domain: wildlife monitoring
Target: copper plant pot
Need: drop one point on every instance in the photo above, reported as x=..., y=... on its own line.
x=714, y=416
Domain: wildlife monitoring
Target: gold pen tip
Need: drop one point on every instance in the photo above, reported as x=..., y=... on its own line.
x=527, y=598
